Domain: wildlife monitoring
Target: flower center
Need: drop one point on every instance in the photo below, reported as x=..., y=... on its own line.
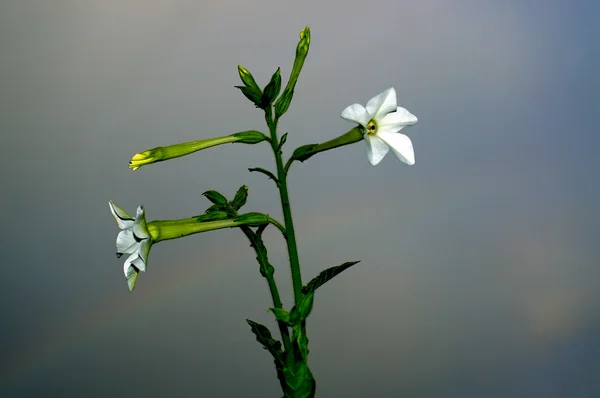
x=371, y=127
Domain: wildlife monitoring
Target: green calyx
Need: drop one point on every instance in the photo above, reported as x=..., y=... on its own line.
x=306, y=151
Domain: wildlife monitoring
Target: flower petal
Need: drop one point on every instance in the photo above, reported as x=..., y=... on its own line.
x=124, y=220
x=376, y=149
x=128, y=263
x=139, y=263
x=382, y=104
x=126, y=242
x=401, y=146
x=131, y=274
x=140, y=229
x=356, y=113
x=144, y=252
x=394, y=121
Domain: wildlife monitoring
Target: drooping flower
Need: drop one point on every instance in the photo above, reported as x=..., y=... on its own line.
x=134, y=239
x=382, y=120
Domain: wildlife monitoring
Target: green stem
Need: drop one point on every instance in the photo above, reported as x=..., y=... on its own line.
x=290, y=235
x=264, y=263
x=278, y=225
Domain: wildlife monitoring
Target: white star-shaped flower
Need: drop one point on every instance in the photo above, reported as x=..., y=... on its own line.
x=382, y=120
x=134, y=239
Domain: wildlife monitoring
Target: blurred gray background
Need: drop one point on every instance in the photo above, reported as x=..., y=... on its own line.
x=479, y=273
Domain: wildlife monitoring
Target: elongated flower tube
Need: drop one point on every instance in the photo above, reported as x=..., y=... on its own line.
x=138, y=236
x=163, y=153
x=172, y=229
x=306, y=151
x=382, y=121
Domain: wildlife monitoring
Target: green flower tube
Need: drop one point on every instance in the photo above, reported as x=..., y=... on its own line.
x=172, y=229
x=163, y=153
x=306, y=151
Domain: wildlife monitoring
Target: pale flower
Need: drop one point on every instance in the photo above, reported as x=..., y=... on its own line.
x=134, y=239
x=383, y=120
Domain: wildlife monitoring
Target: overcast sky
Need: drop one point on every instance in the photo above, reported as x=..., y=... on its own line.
x=479, y=273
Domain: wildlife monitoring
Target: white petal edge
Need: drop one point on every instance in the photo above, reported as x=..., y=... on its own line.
x=140, y=229
x=376, y=149
x=382, y=104
x=139, y=263
x=144, y=252
x=400, y=118
x=356, y=113
x=401, y=145
x=131, y=278
x=128, y=263
x=123, y=219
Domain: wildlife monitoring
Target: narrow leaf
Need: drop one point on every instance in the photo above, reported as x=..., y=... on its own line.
x=263, y=336
x=326, y=275
x=265, y=172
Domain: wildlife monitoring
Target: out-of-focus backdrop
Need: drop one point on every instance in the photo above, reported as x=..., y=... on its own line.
x=479, y=273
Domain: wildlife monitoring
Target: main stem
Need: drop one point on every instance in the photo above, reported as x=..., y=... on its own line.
x=290, y=235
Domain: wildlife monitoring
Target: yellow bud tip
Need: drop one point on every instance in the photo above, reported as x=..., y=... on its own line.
x=138, y=156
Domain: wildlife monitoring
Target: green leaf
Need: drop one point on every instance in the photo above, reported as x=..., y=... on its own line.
x=266, y=269
x=263, y=336
x=213, y=216
x=271, y=90
x=326, y=275
x=265, y=172
x=240, y=198
x=216, y=198
x=281, y=314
